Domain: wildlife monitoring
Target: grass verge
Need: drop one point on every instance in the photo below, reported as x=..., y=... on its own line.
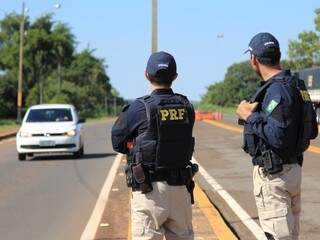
x=7, y=125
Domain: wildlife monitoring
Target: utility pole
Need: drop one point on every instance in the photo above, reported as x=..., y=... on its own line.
x=19, y=96
x=154, y=37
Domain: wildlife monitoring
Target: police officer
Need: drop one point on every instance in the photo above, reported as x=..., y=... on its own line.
x=276, y=133
x=155, y=131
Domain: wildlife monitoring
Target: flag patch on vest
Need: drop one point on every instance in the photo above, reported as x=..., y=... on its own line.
x=172, y=114
x=271, y=106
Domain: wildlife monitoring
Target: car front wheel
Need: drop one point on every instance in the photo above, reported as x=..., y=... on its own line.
x=79, y=153
x=22, y=156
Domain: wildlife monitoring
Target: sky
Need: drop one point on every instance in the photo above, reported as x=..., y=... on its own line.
x=120, y=31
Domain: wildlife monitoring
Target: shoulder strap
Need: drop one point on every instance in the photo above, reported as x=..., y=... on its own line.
x=184, y=99
x=259, y=95
x=146, y=104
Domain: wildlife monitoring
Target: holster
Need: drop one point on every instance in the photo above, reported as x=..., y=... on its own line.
x=129, y=177
x=272, y=163
x=141, y=178
x=192, y=170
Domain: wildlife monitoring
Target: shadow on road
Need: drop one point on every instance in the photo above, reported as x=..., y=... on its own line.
x=71, y=157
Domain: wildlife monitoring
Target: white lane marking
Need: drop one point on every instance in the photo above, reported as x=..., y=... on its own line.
x=233, y=204
x=104, y=225
x=93, y=223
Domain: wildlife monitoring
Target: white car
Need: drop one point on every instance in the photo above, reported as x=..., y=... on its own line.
x=50, y=128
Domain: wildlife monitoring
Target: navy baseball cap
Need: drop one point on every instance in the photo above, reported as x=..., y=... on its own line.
x=161, y=62
x=264, y=45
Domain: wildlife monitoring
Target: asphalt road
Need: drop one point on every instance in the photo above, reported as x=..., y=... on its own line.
x=219, y=152
x=52, y=197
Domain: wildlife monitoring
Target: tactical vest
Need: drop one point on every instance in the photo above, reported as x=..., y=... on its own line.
x=307, y=128
x=251, y=143
x=167, y=142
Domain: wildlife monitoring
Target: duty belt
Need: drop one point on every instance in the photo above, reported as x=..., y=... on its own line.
x=172, y=176
x=258, y=161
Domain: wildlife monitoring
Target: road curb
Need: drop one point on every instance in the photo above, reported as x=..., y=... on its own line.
x=7, y=135
x=241, y=214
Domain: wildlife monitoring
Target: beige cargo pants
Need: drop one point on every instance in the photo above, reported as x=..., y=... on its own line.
x=278, y=199
x=164, y=212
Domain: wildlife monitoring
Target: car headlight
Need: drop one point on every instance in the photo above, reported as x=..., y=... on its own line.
x=25, y=134
x=71, y=133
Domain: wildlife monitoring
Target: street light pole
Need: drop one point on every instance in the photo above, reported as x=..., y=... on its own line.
x=19, y=96
x=154, y=37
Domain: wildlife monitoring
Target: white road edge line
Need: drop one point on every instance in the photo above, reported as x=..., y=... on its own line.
x=233, y=204
x=94, y=220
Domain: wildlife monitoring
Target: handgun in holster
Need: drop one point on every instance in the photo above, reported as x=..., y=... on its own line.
x=272, y=163
x=141, y=177
x=128, y=172
x=192, y=170
x=130, y=159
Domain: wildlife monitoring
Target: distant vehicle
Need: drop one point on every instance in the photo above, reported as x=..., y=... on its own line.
x=51, y=128
x=311, y=77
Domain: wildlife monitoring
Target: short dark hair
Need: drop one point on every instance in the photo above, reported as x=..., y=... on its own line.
x=271, y=57
x=162, y=78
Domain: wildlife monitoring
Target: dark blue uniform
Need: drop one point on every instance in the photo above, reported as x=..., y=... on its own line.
x=158, y=160
x=131, y=122
x=276, y=135
x=276, y=121
x=271, y=137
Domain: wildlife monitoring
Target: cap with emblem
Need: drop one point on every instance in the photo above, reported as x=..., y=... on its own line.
x=161, y=64
x=264, y=45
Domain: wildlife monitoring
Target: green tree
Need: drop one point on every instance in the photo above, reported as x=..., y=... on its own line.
x=305, y=52
x=240, y=83
x=8, y=93
x=53, y=70
x=9, y=59
x=88, y=72
x=42, y=47
x=64, y=42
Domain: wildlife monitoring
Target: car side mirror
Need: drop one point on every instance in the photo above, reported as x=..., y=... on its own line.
x=81, y=120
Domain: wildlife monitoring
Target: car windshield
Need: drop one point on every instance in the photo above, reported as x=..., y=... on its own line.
x=50, y=115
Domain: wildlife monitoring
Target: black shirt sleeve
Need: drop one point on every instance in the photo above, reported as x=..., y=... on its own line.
x=131, y=121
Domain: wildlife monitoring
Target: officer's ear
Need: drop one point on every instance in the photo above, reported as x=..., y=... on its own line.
x=253, y=60
x=146, y=75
